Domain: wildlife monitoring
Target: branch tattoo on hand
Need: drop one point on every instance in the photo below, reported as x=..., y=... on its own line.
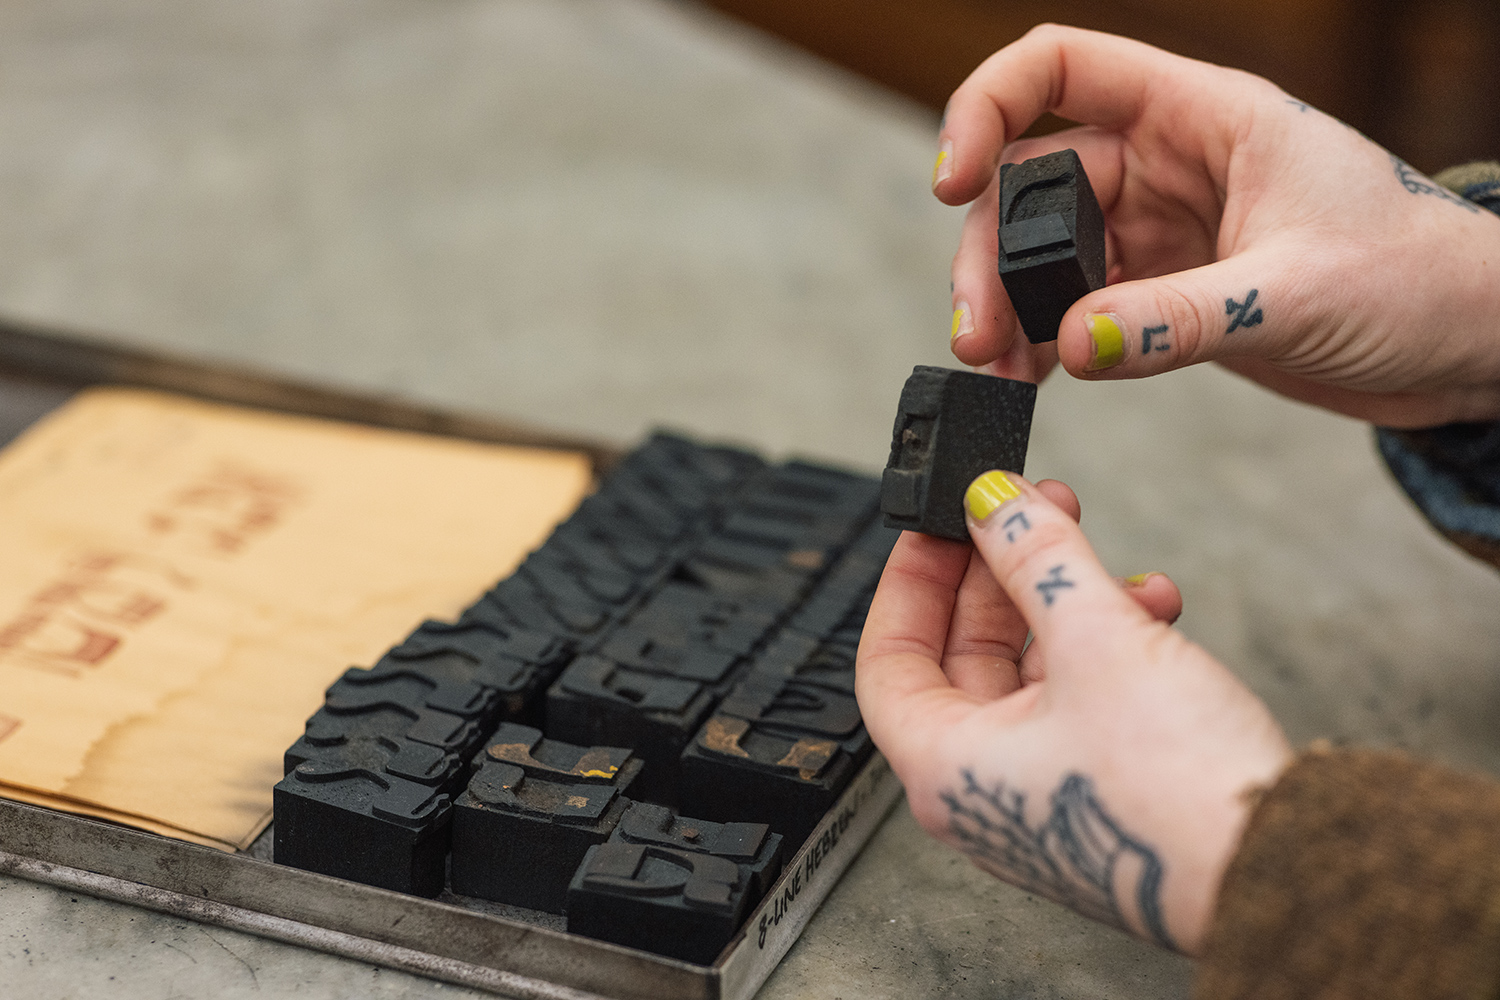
x=1080, y=857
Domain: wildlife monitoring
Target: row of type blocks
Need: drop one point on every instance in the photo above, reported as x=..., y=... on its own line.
x=690, y=630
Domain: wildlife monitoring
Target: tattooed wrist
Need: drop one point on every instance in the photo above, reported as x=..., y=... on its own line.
x=1417, y=184
x=1080, y=856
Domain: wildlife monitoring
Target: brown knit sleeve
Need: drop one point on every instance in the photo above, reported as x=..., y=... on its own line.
x=1363, y=875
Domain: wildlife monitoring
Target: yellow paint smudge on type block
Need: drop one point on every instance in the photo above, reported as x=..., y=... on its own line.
x=180, y=581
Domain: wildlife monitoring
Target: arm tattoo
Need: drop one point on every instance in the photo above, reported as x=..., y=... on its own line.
x=1417, y=184
x=1079, y=857
x=1240, y=312
x=1053, y=582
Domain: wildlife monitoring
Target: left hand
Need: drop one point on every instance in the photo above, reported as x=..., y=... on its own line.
x=1106, y=764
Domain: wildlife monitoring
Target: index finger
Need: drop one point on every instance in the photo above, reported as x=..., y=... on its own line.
x=1087, y=76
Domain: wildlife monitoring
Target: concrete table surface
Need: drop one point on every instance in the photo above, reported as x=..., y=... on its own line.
x=604, y=215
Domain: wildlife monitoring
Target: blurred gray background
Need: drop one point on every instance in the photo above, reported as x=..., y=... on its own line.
x=599, y=216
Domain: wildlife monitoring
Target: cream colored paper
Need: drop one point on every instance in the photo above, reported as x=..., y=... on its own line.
x=179, y=582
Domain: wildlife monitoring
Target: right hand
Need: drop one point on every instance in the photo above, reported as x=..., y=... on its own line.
x=1375, y=293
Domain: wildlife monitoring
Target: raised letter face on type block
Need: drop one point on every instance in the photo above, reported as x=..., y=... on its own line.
x=952, y=426
x=1051, y=240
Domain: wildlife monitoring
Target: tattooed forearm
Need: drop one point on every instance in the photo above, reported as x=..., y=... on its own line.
x=1054, y=582
x=1417, y=184
x=1079, y=857
x=1240, y=314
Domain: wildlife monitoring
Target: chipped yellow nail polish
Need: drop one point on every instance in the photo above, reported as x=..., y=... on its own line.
x=943, y=168
x=1140, y=578
x=962, y=322
x=1109, y=341
x=988, y=493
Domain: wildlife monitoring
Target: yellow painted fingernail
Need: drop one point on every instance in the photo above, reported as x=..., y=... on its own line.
x=1140, y=579
x=943, y=168
x=988, y=493
x=963, y=322
x=1109, y=341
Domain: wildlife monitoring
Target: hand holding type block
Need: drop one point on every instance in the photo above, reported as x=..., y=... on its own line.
x=952, y=426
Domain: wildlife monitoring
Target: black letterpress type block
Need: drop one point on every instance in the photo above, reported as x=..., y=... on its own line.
x=739, y=770
x=513, y=664
x=432, y=701
x=368, y=813
x=531, y=811
x=776, y=697
x=680, y=904
x=849, y=586
x=803, y=658
x=328, y=731
x=752, y=846
x=600, y=701
x=952, y=427
x=1051, y=240
x=679, y=618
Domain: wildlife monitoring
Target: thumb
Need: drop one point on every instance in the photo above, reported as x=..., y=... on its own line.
x=1238, y=306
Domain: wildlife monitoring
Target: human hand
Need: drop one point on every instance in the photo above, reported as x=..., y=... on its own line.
x=1109, y=766
x=1243, y=227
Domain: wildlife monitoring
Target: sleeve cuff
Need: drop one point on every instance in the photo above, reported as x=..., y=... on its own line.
x=1452, y=473
x=1362, y=874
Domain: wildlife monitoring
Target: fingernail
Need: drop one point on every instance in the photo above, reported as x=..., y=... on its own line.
x=1139, y=580
x=943, y=168
x=988, y=493
x=963, y=322
x=1109, y=341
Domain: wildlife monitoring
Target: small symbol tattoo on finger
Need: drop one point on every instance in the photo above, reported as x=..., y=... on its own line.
x=1054, y=582
x=1240, y=312
x=1159, y=342
x=1019, y=520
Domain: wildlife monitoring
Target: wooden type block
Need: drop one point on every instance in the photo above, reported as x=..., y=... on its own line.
x=778, y=750
x=601, y=528
x=736, y=770
x=783, y=531
x=600, y=701
x=329, y=730
x=952, y=426
x=849, y=585
x=775, y=696
x=1051, y=240
x=514, y=664
x=617, y=545
x=383, y=693
x=677, y=903
x=809, y=660
x=804, y=507
x=531, y=811
x=694, y=476
x=369, y=812
x=752, y=846
x=681, y=617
